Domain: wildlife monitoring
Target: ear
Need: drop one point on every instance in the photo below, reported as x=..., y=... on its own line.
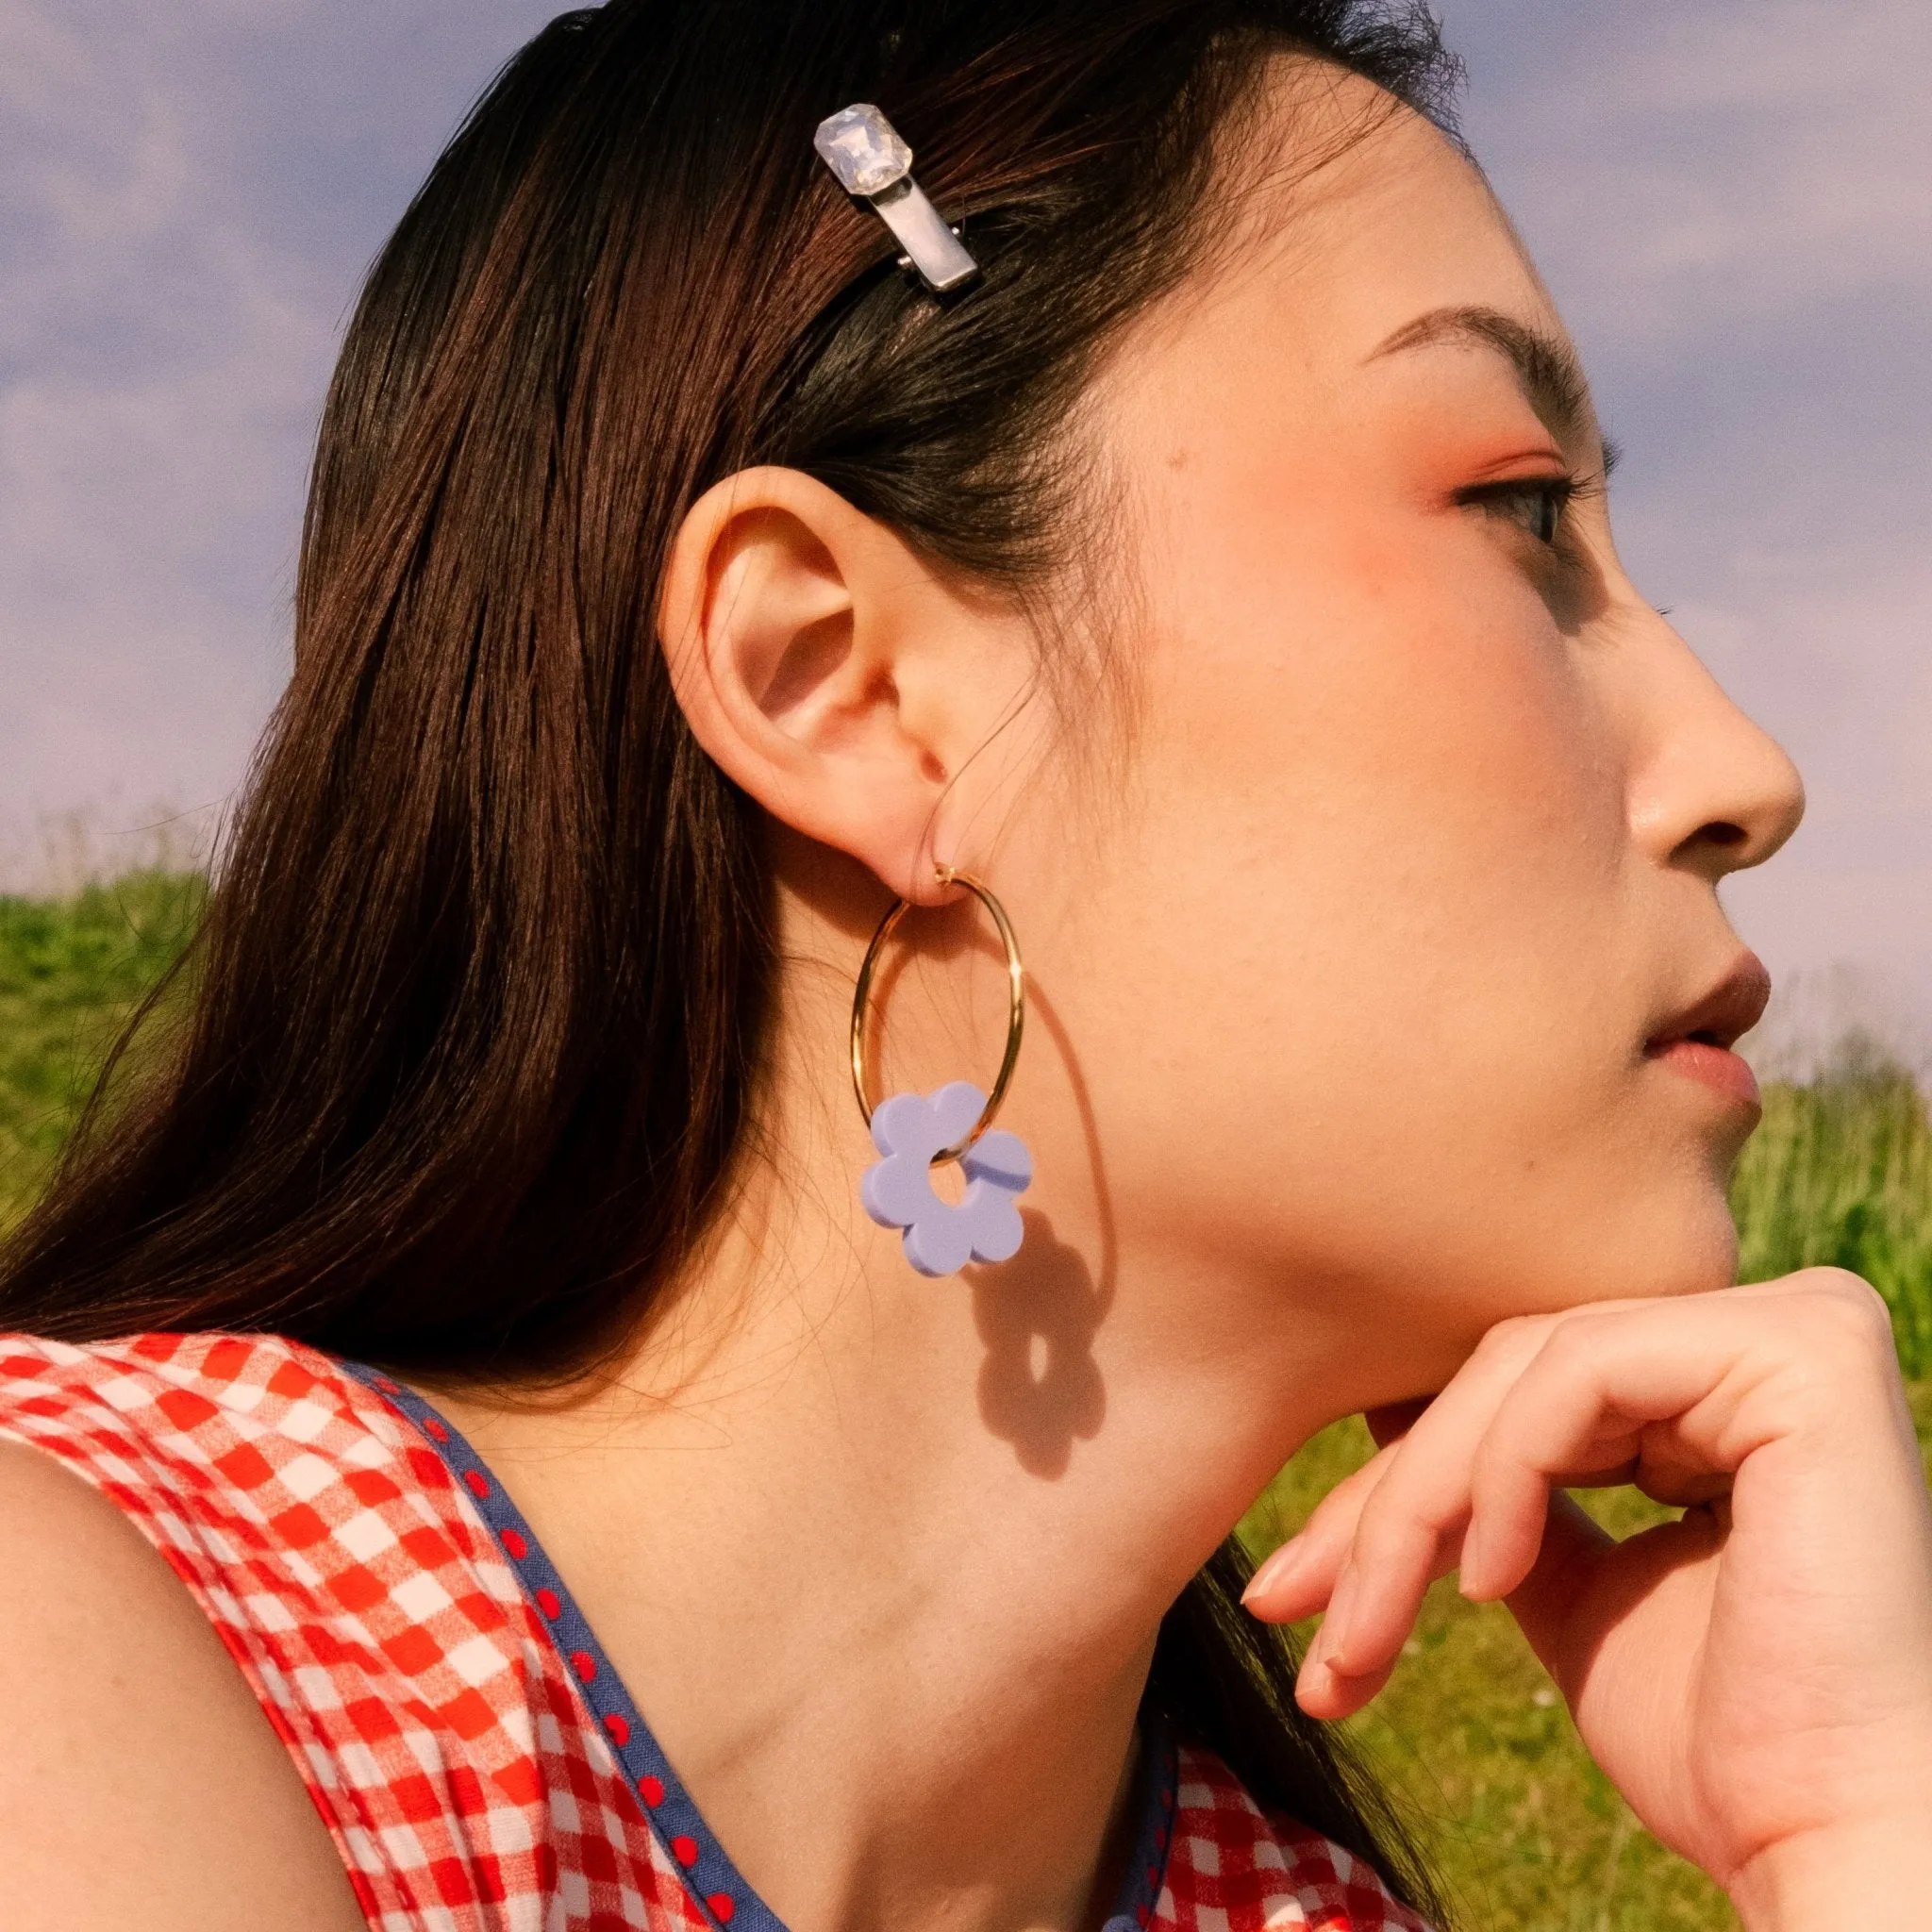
x=829, y=672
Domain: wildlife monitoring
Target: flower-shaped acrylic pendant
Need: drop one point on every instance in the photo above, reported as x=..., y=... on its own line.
x=941, y=1236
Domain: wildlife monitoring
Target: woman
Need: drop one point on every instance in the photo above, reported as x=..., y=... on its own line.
x=486, y=1298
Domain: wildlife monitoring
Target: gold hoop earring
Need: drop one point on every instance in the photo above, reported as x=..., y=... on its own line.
x=917, y=1133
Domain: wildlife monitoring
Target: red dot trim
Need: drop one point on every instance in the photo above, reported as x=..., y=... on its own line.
x=516, y=1544
x=653, y=1790
x=547, y=1602
x=618, y=1728
x=685, y=1850
x=723, y=1905
x=584, y=1664
x=477, y=1482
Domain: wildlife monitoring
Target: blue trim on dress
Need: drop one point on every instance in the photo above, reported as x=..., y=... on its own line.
x=709, y=1872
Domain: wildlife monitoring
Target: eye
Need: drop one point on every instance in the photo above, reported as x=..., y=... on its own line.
x=1535, y=504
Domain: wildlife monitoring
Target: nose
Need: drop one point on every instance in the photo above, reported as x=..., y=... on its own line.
x=1710, y=792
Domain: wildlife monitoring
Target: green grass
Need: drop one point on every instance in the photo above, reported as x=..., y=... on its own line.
x=72, y=971
x=1525, y=1830
x=1840, y=1173
x=1472, y=1737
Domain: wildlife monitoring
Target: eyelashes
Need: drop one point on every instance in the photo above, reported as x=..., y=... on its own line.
x=1537, y=505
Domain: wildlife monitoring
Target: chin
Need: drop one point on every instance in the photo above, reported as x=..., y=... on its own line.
x=1666, y=1238
x=1676, y=1247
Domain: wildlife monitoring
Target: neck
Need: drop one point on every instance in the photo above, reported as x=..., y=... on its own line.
x=882, y=1558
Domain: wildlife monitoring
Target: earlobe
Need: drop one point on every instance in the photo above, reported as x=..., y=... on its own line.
x=790, y=622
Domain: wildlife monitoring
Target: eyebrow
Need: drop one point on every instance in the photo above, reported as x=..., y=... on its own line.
x=1546, y=366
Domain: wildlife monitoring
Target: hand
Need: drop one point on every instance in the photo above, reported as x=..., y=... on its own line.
x=1757, y=1676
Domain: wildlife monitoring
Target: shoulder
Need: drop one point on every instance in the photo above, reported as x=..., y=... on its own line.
x=139, y=1783
x=367, y=1606
x=206, y=1439
x=169, y=1389
x=1228, y=1850
x=362, y=1604
x=322, y=1537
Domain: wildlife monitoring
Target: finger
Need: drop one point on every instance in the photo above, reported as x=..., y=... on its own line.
x=1299, y=1578
x=1666, y=1471
x=1606, y=1380
x=1394, y=1419
x=1323, y=1692
x=1327, y=1685
x=1717, y=1513
x=1568, y=1565
x=1411, y=1527
x=1584, y=1583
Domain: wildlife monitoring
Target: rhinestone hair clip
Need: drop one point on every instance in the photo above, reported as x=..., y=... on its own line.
x=864, y=150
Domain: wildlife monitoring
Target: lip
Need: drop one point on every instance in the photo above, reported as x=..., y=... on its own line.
x=1697, y=1041
x=1716, y=1067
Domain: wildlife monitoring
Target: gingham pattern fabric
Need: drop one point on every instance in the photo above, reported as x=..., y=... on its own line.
x=1235, y=1869
x=440, y=1731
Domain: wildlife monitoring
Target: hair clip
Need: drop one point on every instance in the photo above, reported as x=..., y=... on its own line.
x=864, y=150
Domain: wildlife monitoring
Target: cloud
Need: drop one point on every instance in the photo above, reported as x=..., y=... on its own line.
x=1760, y=153
x=1732, y=203
x=188, y=198
x=1839, y=667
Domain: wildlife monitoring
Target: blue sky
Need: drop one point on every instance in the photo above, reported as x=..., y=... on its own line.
x=1731, y=199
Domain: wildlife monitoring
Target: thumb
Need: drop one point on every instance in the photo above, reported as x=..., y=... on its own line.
x=1584, y=1583
x=1568, y=1572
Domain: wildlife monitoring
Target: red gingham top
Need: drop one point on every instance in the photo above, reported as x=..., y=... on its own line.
x=439, y=1732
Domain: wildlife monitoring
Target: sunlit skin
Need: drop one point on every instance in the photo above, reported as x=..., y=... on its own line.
x=1381, y=996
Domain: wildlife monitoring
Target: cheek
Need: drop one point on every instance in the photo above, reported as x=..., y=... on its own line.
x=1373, y=710
x=1378, y=886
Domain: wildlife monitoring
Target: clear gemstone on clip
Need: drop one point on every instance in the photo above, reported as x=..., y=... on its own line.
x=862, y=148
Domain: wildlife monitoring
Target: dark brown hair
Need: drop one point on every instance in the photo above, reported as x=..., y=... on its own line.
x=479, y=1003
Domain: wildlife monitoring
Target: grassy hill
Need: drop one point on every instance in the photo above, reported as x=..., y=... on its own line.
x=1530, y=1835
x=72, y=972
x=1529, y=1832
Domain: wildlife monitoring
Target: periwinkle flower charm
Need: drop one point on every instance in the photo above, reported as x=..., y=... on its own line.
x=941, y=1236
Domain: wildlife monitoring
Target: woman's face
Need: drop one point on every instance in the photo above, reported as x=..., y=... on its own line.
x=1397, y=975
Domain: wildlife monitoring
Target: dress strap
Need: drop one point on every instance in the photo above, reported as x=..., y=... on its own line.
x=709, y=1871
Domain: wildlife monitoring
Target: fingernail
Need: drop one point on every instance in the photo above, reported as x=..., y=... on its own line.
x=1471, y=1562
x=1335, y=1624
x=1277, y=1569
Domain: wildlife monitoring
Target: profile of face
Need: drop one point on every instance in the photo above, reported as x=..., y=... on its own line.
x=1382, y=980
